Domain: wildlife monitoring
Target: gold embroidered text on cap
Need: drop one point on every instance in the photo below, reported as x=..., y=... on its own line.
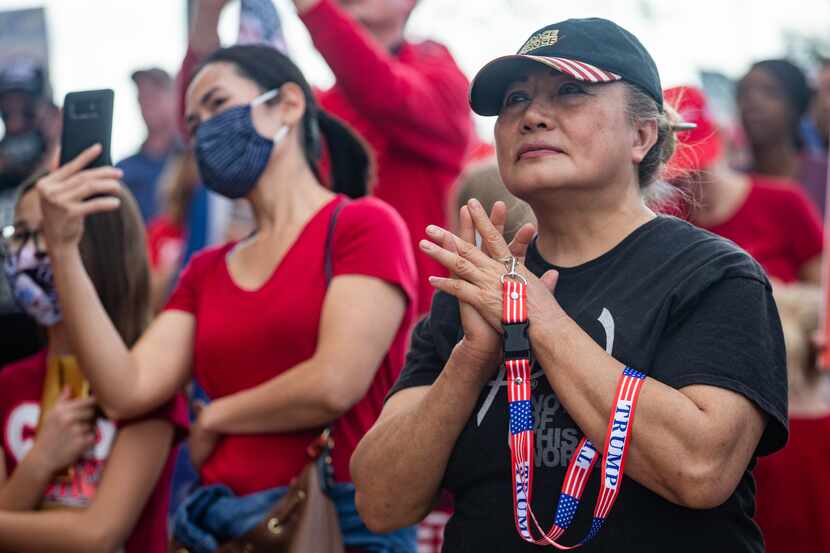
x=545, y=38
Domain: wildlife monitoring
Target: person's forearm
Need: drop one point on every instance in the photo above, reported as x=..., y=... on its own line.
x=105, y=359
x=670, y=445
x=398, y=466
x=204, y=33
x=64, y=530
x=298, y=399
x=202, y=40
x=189, y=64
x=24, y=488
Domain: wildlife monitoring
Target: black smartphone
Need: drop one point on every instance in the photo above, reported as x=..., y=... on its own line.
x=87, y=120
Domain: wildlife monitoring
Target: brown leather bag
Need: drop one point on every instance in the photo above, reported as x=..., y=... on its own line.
x=304, y=520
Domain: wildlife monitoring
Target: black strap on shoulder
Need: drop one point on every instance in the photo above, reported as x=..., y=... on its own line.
x=328, y=262
x=326, y=468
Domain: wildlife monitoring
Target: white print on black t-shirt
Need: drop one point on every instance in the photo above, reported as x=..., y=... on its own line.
x=607, y=321
x=20, y=431
x=554, y=445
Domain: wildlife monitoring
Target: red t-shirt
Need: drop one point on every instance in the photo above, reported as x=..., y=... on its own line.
x=165, y=242
x=245, y=338
x=412, y=109
x=21, y=387
x=777, y=225
x=793, y=496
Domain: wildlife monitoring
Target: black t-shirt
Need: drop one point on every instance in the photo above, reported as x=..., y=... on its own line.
x=679, y=303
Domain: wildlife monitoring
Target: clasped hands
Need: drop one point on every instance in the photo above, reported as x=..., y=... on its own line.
x=475, y=276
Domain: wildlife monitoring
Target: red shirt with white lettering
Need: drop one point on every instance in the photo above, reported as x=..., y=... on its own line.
x=245, y=338
x=21, y=387
x=777, y=225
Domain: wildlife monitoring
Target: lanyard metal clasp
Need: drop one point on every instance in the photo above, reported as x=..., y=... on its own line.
x=512, y=271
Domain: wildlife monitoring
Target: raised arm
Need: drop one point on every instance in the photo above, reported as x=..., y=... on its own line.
x=360, y=318
x=424, y=109
x=127, y=383
x=133, y=468
x=202, y=39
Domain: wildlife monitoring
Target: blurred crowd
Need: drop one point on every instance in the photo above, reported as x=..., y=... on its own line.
x=762, y=184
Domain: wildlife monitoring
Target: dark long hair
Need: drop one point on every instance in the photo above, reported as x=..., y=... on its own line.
x=114, y=254
x=351, y=163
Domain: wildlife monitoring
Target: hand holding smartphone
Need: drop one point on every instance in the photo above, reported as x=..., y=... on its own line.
x=85, y=170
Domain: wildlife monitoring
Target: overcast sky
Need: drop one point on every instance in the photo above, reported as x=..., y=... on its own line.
x=97, y=43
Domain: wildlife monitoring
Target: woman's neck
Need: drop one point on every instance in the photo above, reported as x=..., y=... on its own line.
x=576, y=226
x=287, y=195
x=776, y=160
x=57, y=341
x=717, y=195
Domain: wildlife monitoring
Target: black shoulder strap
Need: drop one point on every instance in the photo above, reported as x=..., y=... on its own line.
x=327, y=469
x=328, y=263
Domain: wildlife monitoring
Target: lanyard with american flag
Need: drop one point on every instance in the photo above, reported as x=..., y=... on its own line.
x=522, y=439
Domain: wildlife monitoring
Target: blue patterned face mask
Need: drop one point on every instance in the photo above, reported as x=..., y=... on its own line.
x=30, y=279
x=231, y=154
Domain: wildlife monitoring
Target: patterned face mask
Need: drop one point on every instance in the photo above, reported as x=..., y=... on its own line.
x=30, y=278
x=231, y=154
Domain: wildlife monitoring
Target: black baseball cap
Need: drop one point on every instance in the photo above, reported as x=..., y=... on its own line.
x=594, y=50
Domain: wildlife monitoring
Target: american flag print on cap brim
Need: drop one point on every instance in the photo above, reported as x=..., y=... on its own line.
x=579, y=70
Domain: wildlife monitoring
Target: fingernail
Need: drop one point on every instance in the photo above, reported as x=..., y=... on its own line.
x=426, y=245
x=474, y=204
x=433, y=230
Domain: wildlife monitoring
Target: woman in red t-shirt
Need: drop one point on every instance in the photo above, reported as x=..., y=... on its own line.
x=770, y=218
x=286, y=331
x=111, y=480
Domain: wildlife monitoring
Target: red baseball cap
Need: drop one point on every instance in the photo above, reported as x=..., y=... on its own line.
x=697, y=148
